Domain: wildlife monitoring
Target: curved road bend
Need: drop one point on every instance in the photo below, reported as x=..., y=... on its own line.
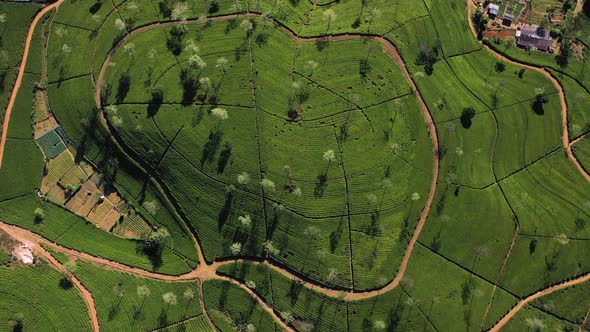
x=21, y=71
x=564, y=111
x=567, y=145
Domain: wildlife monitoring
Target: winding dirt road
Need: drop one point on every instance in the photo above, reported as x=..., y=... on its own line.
x=21, y=72
x=522, y=303
x=567, y=145
x=86, y=296
x=565, y=137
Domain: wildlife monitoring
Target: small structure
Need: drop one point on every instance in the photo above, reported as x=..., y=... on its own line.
x=493, y=10
x=507, y=19
x=24, y=253
x=533, y=38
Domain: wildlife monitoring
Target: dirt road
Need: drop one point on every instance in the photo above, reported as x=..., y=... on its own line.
x=564, y=111
x=567, y=145
x=21, y=71
x=86, y=296
x=522, y=303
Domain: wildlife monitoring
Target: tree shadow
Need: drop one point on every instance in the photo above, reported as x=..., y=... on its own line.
x=320, y=185
x=538, y=104
x=155, y=102
x=123, y=88
x=211, y=147
x=163, y=317
x=152, y=249
x=3, y=81
x=95, y=8
x=224, y=157
x=467, y=117
x=294, y=291
x=225, y=210
x=190, y=86
x=335, y=236
x=65, y=283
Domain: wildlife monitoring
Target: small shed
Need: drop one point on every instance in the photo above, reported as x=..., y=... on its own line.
x=507, y=19
x=493, y=10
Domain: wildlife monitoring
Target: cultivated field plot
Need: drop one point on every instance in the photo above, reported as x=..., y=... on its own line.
x=230, y=117
x=262, y=165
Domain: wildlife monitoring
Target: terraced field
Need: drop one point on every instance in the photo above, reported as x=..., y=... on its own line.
x=300, y=165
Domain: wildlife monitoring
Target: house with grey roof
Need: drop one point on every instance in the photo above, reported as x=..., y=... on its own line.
x=533, y=38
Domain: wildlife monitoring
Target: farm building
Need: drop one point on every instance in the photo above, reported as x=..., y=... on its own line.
x=493, y=10
x=531, y=37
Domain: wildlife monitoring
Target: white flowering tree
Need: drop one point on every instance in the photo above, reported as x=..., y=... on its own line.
x=195, y=61
x=180, y=11
x=235, y=248
x=247, y=26
x=244, y=178
x=170, y=299
x=143, y=292
x=221, y=63
x=268, y=185
x=189, y=294
x=245, y=220
x=220, y=113
x=120, y=25
x=329, y=17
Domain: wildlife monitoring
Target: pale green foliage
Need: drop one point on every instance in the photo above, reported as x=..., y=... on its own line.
x=270, y=248
x=297, y=191
x=151, y=207
x=329, y=16
x=246, y=25
x=287, y=317
x=379, y=325
x=180, y=11
x=191, y=47
x=250, y=284
x=313, y=232
x=70, y=267
x=66, y=49
x=220, y=113
x=129, y=49
x=196, y=61
x=169, y=298
x=245, y=220
x=120, y=25
x=244, y=178
x=235, y=248
x=189, y=294
x=143, y=291
x=562, y=239
x=221, y=63
x=39, y=214
x=206, y=81
x=267, y=184
x=329, y=155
